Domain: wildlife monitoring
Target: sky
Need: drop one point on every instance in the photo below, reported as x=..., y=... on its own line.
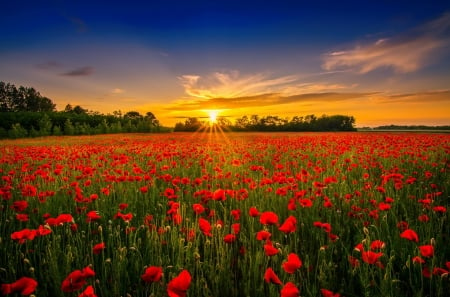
x=383, y=62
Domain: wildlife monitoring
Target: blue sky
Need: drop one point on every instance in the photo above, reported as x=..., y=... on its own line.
x=381, y=61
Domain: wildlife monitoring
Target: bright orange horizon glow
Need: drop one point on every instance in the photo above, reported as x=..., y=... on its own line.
x=212, y=116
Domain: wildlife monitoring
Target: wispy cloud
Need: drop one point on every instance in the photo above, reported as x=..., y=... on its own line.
x=82, y=71
x=419, y=97
x=233, y=84
x=230, y=90
x=264, y=100
x=49, y=65
x=117, y=91
x=403, y=53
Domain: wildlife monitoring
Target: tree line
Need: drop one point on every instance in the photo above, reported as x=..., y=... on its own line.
x=24, y=112
x=273, y=123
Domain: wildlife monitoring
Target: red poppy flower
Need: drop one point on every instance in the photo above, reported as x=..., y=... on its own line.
x=73, y=282
x=178, y=286
x=328, y=293
x=268, y=218
x=29, y=191
x=263, y=235
x=236, y=228
x=269, y=249
x=24, y=285
x=198, y=208
x=384, y=206
x=253, y=212
x=22, y=217
x=59, y=220
x=205, y=226
x=23, y=235
x=423, y=218
x=440, y=209
x=426, y=272
x=325, y=226
x=370, y=257
x=152, y=274
x=20, y=205
x=410, y=235
x=236, y=213
x=426, y=251
x=77, y=279
x=88, y=292
x=418, y=259
x=42, y=231
x=290, y=290
x=377, y=244
x=289, y=225
x=123, y=206
x=271, y=277
x=98, y=248
x=439, y=271
x=305, y=202
x=292, y=264
x=354, y=262
x=92, y=216
x=229, y=238
x=219, y=195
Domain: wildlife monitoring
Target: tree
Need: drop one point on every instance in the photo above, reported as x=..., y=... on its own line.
x=14, y=99
x=79, y=110
x=69, y=129
x=151, y=117
x=132, y=115
x=45, y=125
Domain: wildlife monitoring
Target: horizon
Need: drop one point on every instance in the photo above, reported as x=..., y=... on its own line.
x=382, y=63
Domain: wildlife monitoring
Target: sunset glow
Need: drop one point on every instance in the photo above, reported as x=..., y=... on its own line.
x=382, y=64
x=212, y=116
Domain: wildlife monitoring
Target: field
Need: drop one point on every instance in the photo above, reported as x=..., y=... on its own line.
x=288, y=214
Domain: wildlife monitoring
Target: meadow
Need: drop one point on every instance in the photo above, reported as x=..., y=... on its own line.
x=226, y=214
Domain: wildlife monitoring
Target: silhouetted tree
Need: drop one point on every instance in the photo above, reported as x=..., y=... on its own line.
x=14, y=99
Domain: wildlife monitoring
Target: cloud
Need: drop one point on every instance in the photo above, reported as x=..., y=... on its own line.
x=264, y=100
x=230, y=90
x=437, y=96
x=83, y=71
x=117, y=91
x=49, y=65
x=403, y=53
x=232, y=84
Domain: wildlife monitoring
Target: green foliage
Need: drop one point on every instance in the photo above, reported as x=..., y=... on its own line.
x=275, y=123
x=24, y=112
x=14, y=99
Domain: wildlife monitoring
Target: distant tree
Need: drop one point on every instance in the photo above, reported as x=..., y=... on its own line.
x=14, y=99
x=45, y=125
x=117, y=114
x=57, y=130
x=68, y=108
x=223, y=122
x=151, y=117
x=69, y=129
x=242, y=123
x=132, y=115
x=17, y=131
x=79, y=110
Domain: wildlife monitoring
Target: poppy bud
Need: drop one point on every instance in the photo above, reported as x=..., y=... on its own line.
x=366, y=231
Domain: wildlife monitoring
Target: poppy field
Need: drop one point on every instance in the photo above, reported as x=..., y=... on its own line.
x=234, y=214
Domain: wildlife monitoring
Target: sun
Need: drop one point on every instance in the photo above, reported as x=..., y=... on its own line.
x=212, y=116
